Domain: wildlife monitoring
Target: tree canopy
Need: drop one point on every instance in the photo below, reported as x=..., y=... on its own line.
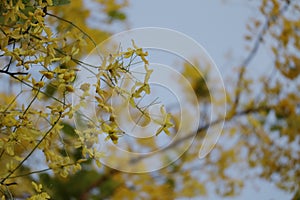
x=49, y=144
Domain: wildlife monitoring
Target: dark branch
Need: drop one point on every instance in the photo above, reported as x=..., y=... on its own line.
x=13, y=73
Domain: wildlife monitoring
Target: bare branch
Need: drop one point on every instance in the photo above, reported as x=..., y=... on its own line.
x=204, y=128
x=269, y=21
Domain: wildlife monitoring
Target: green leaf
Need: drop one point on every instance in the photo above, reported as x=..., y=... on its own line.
x=68, y=129
x=50, y=90
x=60, y=2
x=116, y=15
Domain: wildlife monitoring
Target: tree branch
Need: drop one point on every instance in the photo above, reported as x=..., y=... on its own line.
x=203, y=128
x=13, y=73
x=254, y=50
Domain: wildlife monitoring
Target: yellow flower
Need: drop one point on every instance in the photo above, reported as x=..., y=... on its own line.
x=166, y=122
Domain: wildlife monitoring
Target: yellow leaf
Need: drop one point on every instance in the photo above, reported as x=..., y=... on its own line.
x=85, y=87
x=69, y=88
x=37, y=187
x=98, y=163
x=47, y=74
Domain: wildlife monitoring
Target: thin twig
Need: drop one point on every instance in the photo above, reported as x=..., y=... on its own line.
x=13, y=73
x=32, y=87
x=41, y=171
x=69, y=22
x=32, y=151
